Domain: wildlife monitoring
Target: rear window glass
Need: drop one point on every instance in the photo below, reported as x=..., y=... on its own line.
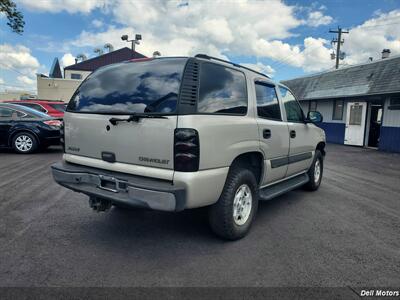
x=33, y=105
x=33, y=113
x=138, y=87
x=30, y=112
x=222, y=90
x=59, y=107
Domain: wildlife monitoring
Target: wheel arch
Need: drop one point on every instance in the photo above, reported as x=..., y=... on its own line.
x=254, y=160
x=321, y=148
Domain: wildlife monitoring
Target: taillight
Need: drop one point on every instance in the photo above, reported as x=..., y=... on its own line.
x=55, y=123
x=186, y=150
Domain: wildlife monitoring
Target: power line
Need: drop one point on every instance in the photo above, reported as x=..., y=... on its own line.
x=17, y=86
x=288, y=59
x=12, y=69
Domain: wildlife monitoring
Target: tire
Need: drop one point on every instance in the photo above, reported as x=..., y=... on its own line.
x=24, y=143
x=223, y=222
x=315, y=172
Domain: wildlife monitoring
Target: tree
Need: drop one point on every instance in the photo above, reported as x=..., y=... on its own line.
x=15, y=18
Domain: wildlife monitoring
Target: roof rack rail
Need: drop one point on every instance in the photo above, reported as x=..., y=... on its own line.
x=205, y=56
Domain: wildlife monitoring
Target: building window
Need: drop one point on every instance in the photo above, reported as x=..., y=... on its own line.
x=267, y=102
x=76, y=76
x=338, y=110
x=312, y=105
x=355, y=114
x=394, y=103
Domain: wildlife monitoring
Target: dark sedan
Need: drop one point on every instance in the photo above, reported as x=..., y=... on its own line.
x=26, y=130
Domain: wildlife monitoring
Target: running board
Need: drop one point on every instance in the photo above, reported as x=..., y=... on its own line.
x=280, y=188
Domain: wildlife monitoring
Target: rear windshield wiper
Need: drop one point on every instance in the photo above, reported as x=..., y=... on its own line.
x=135, y=118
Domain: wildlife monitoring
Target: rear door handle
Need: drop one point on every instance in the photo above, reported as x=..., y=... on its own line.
x=266, y=133
x=292, y=134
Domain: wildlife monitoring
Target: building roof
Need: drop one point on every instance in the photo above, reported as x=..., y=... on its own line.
x=116, y=56
x=379, y=77
x=55, y=71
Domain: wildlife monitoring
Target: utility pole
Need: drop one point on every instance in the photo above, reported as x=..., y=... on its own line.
x=339, y=41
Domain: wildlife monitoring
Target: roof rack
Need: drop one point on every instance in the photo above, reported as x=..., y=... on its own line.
x=205, y=56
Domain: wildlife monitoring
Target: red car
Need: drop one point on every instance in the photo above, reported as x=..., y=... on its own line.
x=52, y=108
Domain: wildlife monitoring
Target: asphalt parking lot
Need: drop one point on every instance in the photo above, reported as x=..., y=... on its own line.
x=345, y=234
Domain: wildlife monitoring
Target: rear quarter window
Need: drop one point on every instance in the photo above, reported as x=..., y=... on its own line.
x=222, y=90
x=59, y=107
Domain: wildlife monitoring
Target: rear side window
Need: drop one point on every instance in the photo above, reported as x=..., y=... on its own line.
x=59, y=107
x=5, y=112
x=222, y=90
x=267, y=102
x=134, y=87
x=34, y=106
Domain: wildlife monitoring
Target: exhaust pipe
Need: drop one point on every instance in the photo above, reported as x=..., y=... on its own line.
x=99, y=204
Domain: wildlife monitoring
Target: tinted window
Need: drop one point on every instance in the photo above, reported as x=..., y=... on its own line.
x=5, y=112
x=34, y=106
x=267, y=102
x=59, y=107
x=222, y=90
x=133, y=87
x=31, y=112
x=293, y=110
x=21, y=114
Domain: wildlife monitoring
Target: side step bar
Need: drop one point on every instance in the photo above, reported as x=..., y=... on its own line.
x=280, y=188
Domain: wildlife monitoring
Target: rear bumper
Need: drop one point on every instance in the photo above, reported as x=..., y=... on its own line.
x=120, y=188
x=51, y=140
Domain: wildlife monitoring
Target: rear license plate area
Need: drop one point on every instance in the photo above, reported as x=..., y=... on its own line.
x=108, y=184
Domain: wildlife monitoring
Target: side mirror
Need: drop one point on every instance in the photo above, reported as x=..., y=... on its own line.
x=314, y=117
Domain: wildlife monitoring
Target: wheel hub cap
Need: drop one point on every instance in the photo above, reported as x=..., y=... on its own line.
x=23, y=143
x=317, y=171
x=242, y=204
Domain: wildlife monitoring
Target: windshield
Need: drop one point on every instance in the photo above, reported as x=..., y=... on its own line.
x=131, y=87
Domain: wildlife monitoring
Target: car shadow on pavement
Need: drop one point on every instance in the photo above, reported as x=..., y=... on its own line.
x=145, y=227
x=52, y=149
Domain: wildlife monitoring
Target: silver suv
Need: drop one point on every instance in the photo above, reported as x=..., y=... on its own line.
x=179, y=133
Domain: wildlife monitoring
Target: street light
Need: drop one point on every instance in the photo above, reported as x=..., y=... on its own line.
x=138, y=37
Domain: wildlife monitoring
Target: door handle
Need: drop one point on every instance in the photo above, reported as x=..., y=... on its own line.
x=266, y=133
x=292, y=134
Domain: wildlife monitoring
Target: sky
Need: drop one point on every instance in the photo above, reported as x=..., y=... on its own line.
x=284, y=39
